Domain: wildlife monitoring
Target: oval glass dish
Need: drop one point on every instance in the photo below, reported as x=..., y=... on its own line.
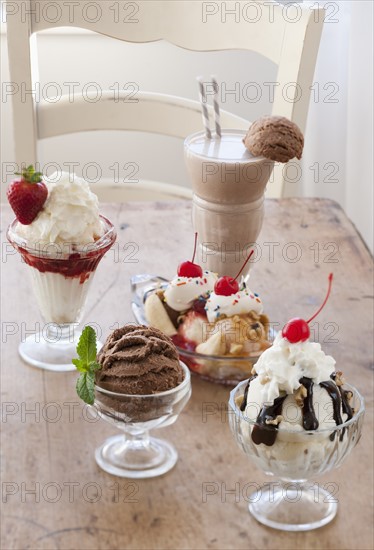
x=215, y=368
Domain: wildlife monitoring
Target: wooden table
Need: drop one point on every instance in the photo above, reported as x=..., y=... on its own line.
x=54, y=495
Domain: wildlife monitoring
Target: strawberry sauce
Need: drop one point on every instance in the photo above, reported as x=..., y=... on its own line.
x=76, y=264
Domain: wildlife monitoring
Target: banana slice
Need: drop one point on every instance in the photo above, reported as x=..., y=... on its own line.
x=215, y=345
x=157, y=317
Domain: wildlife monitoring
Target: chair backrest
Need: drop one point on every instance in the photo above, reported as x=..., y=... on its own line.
x=287, y=35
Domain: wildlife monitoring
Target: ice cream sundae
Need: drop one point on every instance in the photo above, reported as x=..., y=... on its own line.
x=296, y=418
x=61, y=236
x=212, y=317
x=295, y=387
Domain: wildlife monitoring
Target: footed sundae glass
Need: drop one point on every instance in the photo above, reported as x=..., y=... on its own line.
x=296, y=502
x=61, y=276
x=134, y=454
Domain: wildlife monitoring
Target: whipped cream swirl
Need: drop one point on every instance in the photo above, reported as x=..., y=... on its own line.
x=240, y=303
x=280, y=367
x=182, y=291
x=70, y=214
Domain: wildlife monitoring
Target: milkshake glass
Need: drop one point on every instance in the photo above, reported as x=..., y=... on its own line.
x=61, y=276
x=228, y=198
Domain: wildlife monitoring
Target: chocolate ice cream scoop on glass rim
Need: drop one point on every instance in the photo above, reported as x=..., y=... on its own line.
x=275, y=138
x=296, y=418
x=136, y=382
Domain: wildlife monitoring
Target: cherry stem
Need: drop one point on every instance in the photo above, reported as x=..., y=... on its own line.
x=194, y=250
x=325, y=300
x=245, y=263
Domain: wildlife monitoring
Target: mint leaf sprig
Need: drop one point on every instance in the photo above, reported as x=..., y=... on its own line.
x=87, y=365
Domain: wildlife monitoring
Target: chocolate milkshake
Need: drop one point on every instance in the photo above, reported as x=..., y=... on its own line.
x=228, y=202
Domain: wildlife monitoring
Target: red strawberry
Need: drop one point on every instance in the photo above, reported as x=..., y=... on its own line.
x=27, y=195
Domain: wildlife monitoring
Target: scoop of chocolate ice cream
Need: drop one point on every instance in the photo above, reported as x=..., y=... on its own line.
x=138, y=360
x=275, y=138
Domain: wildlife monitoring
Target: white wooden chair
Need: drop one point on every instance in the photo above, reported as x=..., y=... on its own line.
x=287, y=35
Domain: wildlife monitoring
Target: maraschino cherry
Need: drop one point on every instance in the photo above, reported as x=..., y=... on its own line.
x=189, y=269
x=227, y=286
x=297, y=330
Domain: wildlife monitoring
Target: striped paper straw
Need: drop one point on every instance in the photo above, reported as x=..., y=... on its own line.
x=204, y=109
x=216, y=108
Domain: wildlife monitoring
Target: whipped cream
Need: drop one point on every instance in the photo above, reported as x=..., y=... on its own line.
x=240, y=303
x=280, y=367
x=70, y=214
x=182, y=291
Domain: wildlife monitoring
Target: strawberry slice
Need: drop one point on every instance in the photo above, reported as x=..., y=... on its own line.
x=27, y=195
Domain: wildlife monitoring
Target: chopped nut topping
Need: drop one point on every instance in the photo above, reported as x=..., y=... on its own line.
x=274, y=421
x=161, y=294
x=236, y=349
x=300, y=394
x=339, y=379
x=239, y=400
x=349, y=396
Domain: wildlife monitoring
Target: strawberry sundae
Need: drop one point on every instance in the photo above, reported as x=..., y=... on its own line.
x=62, y=238
x=217, y=322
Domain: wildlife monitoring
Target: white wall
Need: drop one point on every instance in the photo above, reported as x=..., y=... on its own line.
x=338, y=136
x=359, y=197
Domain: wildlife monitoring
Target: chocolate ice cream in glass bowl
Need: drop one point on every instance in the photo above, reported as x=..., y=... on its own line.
x=137, y=384
x=296, y=419
x=61, y=249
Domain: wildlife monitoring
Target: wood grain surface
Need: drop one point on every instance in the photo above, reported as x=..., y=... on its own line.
x=54, y=496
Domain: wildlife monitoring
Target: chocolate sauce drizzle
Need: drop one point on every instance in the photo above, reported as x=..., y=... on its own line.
x=344, y=394
x=244, y=402
x=266, y=433
x=263, y=432
x=347, y=409
x=310, y=421
x=334, y=393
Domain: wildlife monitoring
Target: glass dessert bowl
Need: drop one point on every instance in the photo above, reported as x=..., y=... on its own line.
x=222, y=369
x=135, y=454
x=137, y=383
x=296, y=502
x=61, y=276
